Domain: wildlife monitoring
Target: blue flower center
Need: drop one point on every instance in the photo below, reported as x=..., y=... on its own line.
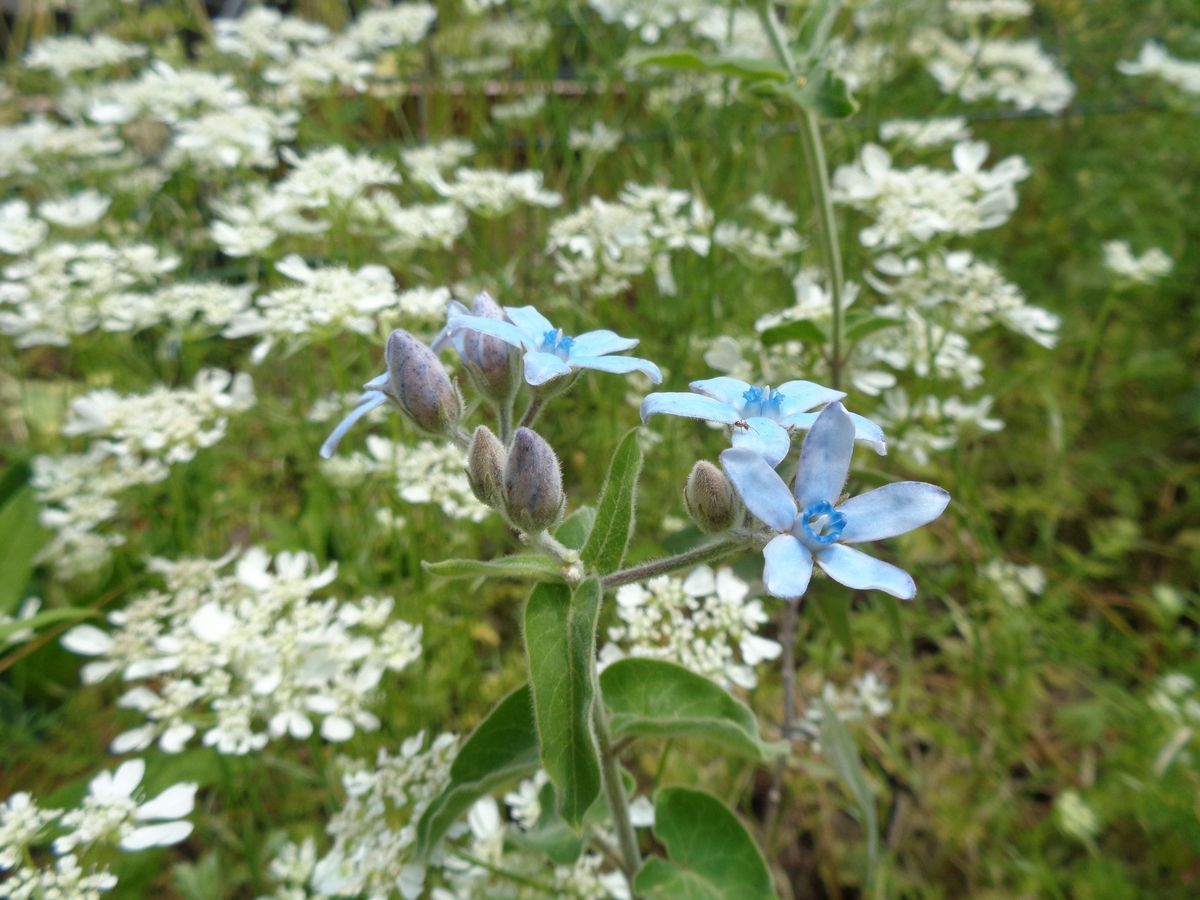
x=554, y=341
x=762, y=401
x=822, y=523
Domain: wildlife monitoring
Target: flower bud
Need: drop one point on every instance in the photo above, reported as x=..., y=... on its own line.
x=533, y=494
x=493, y=365
x=710, y=499
x=417, y=381
x=485, y=466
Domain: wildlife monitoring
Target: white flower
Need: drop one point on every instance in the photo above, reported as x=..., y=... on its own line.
x=163, y=93
x=429, y=162
x=926, y=132
x=1145, y=269
x=1075, y=817
x=492, y=193
x=401, y=25
x=264, y=33
x=19, y=231
x=865, y=698
x=1155, y=60
x=69, y=54
x=22, y=823
x=111, y=812
x=599, y=139
x=229, y=138
x=79, y=210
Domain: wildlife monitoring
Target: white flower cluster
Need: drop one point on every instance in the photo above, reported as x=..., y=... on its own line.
x=923, y=133
x=1015, y=583
x=650, y=20
x=246, y=656
x=962, y=292
x=1155, y=60
x=1016, y=72
x=326, y=301
x=996, y=10
x=428, y=472
x=263, y=33
x=491, y=193
x=161, y=92
x=866, y=697
x=65, y=289
x=769, y=241
x=917, y=204
x=918, y=429
x=598, y=140
x=221, y=139
x=135, y=440
x=40, y=144
x=69, y=54
x=604, y=245
x=111, y=814
x=1152, y=265
x=704, y=622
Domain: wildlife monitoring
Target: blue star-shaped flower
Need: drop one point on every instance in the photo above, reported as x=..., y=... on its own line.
x=761, y=416
x=811, y=528
x=549, y=353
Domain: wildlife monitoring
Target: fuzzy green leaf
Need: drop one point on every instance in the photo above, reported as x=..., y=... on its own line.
x=575, y=528
x=655, y=698
x=560, y=639
x=503, y=748
x=710, y=855
x=20, y=539
x=839, y=751
x=859, y=327
x=605, y=547
x=524, y=565
x=801, y=330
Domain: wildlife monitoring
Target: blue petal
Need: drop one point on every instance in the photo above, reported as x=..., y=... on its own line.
x=825, y=457
x=374, y=384
x=454, y=310
x=800, y=396
x=856, y=570
x=600, y=343
x=497, y=328
x=864, y=429
x=692, y=406
x=761, y=489
x=723, y=388
x=891, y=510
x=371, y=400
x=531, y=323
x=620, y=365
x=765, y=437
x=788, y=567
x=542, y=367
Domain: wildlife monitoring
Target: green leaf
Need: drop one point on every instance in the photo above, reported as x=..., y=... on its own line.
x=605, y=547
x=525, y=565
x=710, y=855
x=834, y=610
x=827, y=96
x=551, y=835
x=684, y=60
x=797, y=330
x=503, y=748
x=42, y=619
x=575, y=528
x=839, y=751
x=858, y=327
x=655, y=698
x=815, y=28
x=560, y=639
x=20, y=539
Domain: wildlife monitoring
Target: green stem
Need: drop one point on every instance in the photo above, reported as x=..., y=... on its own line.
x=818, y=177
x=504, y=415
x=536, y=402
x=694, y=557
x=618, y=803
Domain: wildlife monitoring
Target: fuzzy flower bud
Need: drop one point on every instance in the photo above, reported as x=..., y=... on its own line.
x=493, y=366
x=533, y=494
x=710, y=498
x=418, y=382
x=485, y=466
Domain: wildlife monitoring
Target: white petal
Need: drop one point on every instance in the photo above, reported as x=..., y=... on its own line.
x=173, y=803
x=857, y=570
x=162, y=835
x=87, y=640
x=336, y=729
x=134, y=739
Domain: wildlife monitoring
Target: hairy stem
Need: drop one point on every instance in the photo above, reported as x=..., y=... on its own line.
x=818, y=178
x=536, y=402
x=614, y=787
x=694, y=557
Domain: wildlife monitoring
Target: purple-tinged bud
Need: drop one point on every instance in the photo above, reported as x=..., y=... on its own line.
x=533, y=494
x=710, y=499
x=418, y=382
x=485, y=466
x=493, y=365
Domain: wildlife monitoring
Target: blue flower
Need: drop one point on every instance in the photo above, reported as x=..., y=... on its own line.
x=812, y=528
x=549, y=353
x=761, y=416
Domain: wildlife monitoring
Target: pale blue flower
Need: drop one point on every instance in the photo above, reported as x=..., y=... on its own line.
x=549, y=353
x=811, y=528
x=762, y=416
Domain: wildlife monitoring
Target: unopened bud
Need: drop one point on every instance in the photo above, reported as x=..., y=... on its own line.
x=485, y=466
x=493, y=365
x=417, y=381
x=710, y=498
x=533, y=494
